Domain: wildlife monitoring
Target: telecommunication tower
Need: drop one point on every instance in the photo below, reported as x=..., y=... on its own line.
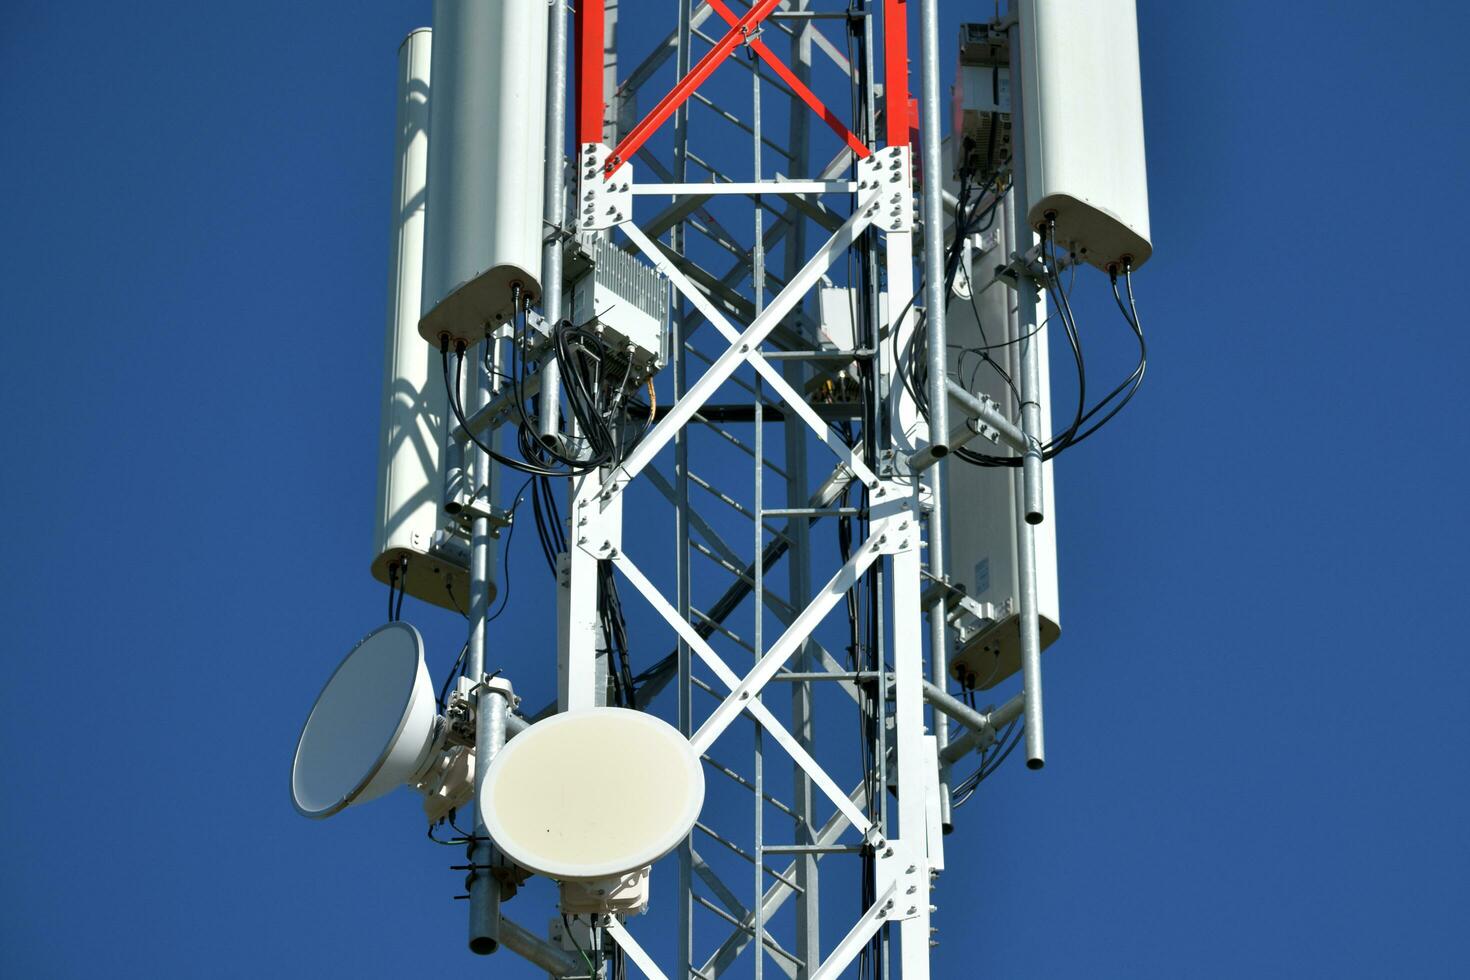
x=787, y=387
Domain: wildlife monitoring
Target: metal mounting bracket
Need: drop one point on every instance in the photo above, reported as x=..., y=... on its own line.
x=602, y=203
x=1024, y=266
x=480, y=505
x=897, y=866
x=987, y=432
x=599, y=530
x=889, y=172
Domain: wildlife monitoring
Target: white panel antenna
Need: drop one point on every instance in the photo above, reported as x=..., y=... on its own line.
x=487, y=138
x=1084, y=127
x=412, y=548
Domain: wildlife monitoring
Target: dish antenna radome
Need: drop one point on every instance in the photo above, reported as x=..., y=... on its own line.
x=373, y=727
x=592, y=794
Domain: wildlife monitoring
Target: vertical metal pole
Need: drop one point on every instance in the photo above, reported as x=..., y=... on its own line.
x=933, y=214
x=757, y=910
x=490, y=715
x=903, y=568
x=484, y=925
x=758, y=281
x=896, y=72
x=939, y=629
x=758, y=248
x=590, y=94
x=875, y=428
x=613, y=112
x=551, y=290
x=1021, y=240
x=908, y=726
x=875, y=423
x=581, y=682
x=808, y=903
x=681, y=490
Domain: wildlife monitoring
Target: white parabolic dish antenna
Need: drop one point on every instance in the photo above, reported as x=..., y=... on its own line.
x=594, y=793
x=372, y=727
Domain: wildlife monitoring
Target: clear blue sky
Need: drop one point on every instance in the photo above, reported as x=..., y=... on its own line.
x=1256, y=730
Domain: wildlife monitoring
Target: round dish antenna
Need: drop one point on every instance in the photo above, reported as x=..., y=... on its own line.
x=592, y=794
x=372, y=727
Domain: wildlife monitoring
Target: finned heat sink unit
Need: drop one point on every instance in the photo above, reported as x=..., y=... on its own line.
x=625, y=300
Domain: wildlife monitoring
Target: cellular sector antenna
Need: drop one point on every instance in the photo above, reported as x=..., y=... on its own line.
x=776, y=398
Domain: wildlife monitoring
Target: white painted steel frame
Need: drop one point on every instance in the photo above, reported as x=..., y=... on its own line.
x=782, y=188
x=895, y=533
x=743, y=691
x=905, y=858
x=743, y=345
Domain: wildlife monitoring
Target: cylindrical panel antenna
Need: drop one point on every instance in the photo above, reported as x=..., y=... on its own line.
x=1083, y=127
x=486, y=181
x=411, y=442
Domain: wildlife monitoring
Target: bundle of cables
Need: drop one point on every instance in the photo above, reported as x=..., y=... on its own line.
x=549, y=531
x=1110, y=404
x=970, y=219
x=990, y=761
x=601, y=404
x=599, y=398
x=609, y=422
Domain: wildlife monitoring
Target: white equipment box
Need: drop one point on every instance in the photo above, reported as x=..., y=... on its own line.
x=1082, y=120
x=983, y=504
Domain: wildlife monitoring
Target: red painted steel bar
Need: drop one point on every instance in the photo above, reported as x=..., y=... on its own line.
x=591, y=101
x=896, y=71
x=789, y=77
x=685, y=87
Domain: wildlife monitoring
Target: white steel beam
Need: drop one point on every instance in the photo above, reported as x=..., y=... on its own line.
x=826, y=598
x=579, y=680
x=725, y=365
x=636, y=953
x=790, y=397
x=779, y=892
x=768, y=188
x=741, y=691
x=857, y=937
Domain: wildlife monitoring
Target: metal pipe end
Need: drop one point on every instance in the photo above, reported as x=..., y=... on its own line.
x=1034, y=517
x=1035, y=763
x=483, y=945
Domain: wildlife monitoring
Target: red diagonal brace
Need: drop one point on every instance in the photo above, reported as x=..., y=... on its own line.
x=796, y=85
x=685, y=87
